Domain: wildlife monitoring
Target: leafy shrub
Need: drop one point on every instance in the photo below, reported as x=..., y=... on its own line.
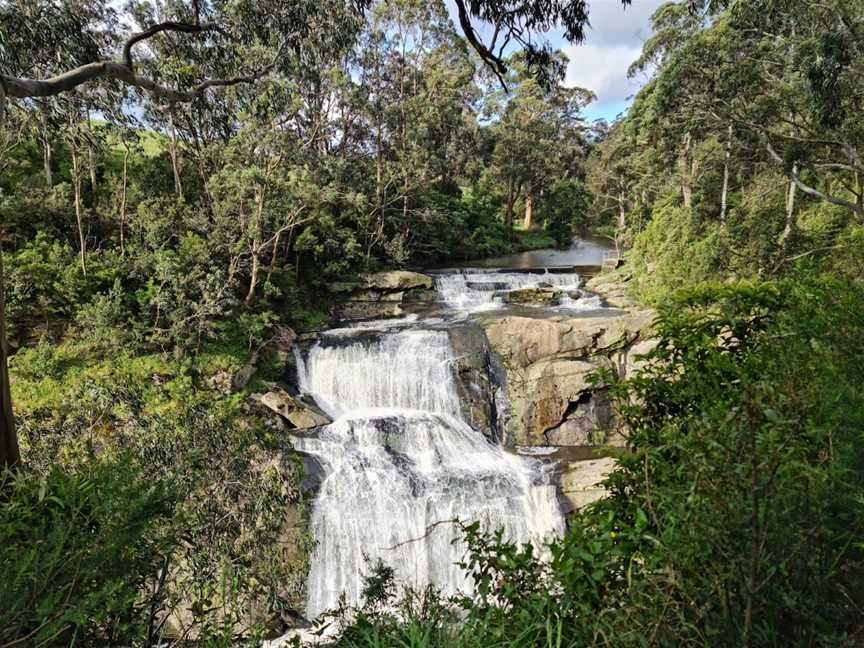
x=81, y=555
x=239, y=509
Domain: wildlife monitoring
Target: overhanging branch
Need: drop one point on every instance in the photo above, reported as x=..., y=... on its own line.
x=21, y=88
x=795, y=177
x=185, y=28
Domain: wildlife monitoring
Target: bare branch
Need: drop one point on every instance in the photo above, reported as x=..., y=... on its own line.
x=21, y=88
x=26, y=88
x=185, y=28
x=807, y=189
x=429, y=530
x=494, y=62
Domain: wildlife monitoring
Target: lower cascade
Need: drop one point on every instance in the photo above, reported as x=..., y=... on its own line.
x=400, y=465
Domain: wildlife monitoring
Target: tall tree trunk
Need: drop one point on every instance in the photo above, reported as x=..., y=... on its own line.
x=175, y=163
x=790, y=212
x=528, y=221
x=508, y=214
x=256, y=224
x=91, y=162
x=123, y=201
x=273, y=255
x=9, y=453
x=253, y=278
x=47, y=159
x=79, y=217
x=685, y=171
x=622, y=214
x=724, y=202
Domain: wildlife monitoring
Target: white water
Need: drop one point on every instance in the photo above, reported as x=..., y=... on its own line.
x=476, y=290
x=400, y=462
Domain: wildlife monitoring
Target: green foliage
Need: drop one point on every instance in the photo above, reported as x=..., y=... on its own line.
x=565, y=211
x=242, y=558
x=81, y=554
x=673, y=251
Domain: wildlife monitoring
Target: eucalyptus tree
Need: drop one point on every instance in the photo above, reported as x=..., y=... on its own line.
x=51, y=50
x=536, y=131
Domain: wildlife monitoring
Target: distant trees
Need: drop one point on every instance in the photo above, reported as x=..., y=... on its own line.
x=746, y=100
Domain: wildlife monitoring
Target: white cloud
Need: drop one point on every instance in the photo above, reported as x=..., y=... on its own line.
x=603, y=69
x=613, y=43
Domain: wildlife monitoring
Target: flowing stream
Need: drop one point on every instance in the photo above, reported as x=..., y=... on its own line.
x=476, y=289
x=399, y=462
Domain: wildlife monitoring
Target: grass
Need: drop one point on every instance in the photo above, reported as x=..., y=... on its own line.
x=534, y=239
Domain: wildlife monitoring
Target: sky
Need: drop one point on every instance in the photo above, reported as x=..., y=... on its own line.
x=613, y=43
x=600, y=64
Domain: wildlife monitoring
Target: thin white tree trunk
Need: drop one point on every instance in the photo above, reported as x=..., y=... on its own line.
x=790, y=211
x=175, y=163
x=79, y=217
x=724, y=198
x=47, y=157
x=528, y=222
x=123, y=201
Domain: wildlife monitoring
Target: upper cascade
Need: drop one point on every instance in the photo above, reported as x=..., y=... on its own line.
x=409, y=369
x=476, y=289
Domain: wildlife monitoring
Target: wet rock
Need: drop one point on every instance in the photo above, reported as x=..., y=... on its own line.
x=475, y=380
x=242, y=377
x=396, y=280
x=299, y=414
x=548, y=363
x=382, y=295
x=546, y=296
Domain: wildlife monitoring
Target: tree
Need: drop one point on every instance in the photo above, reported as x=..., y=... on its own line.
x=77, y=34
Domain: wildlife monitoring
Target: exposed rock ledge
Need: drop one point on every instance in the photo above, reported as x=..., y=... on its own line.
x=299, y=414
x=580, y=481
x=547, y=363
x=384, y=294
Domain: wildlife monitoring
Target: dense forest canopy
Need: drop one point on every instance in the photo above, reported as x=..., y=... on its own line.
x=187, y=186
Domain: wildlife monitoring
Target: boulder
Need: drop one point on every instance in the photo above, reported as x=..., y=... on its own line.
x=301, y=415
x=396, y=280
x=546, y=296
x=383, y=294
x=521, y=341
x=612, y=286
x=579, y=481
x=476, y=381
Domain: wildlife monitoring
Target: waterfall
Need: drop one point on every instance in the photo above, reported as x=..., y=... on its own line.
x=476, y=289
x=399, y=462
x=405, y=370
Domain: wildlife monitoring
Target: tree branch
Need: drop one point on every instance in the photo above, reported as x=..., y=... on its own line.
x=20, y=88
x=26, y=88
x=807, y=189
x=185, y=28
x=495, y=63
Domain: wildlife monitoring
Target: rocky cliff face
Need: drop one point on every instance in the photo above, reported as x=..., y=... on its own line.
x=547, y=362
x=480, y=379
x=385, y=294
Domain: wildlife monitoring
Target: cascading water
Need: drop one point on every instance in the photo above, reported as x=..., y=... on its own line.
x=400, y=462
x=475, y=290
